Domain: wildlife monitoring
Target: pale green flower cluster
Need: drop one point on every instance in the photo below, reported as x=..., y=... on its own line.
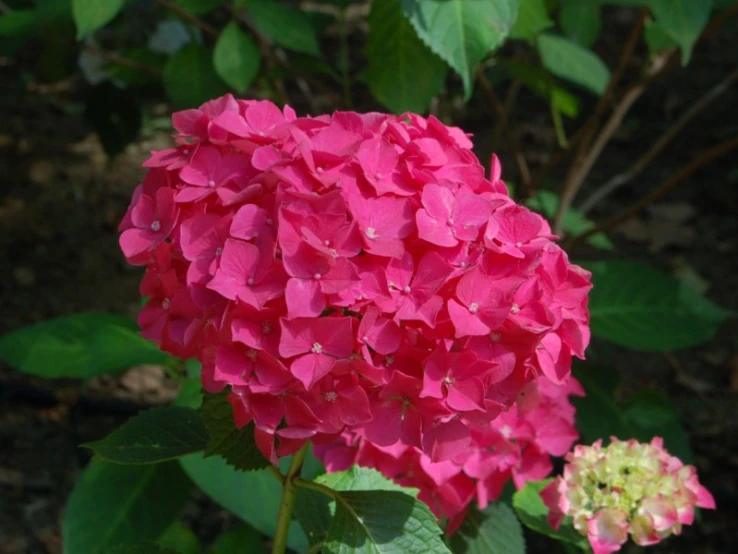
x=625, y=488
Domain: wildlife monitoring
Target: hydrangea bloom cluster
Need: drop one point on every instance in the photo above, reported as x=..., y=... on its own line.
x=626, y=488
x=518, y=445
x=350, y=272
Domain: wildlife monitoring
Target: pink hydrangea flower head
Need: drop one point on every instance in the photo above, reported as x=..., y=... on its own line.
x=357, y=275
x=625, y=489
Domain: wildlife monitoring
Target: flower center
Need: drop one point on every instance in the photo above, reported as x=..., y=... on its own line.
x=473, y=307
x=251, y=354
x=331, y=396
x=219, y=251
x=211, y=183
x=155, y=225
x=317, y=348
x=371, y=232
x=165, y=303
x=266, y=328
x=515, y=308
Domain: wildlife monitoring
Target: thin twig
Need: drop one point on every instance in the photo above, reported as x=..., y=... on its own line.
x=500, y=110
x=684, y=173
x=510, y=99
x=623, y=178
x=118, y=59
x=577, y=179
x=187, y=16
x=583, y=158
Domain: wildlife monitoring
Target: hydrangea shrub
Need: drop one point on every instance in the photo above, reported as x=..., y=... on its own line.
x=357, y=282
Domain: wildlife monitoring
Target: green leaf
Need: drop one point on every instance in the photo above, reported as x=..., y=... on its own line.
x=181, y=539
x=362, y=479
x=496, y=530
x=532, y=19
x=153, y=436
x=284, y=25
x=682, y=20
x=533, y=513
x=462, y=32
x=372, y=514
x=653, y=415
x=646, y=414
x=252, y=496
x=239, y=540
x=113, y=504
x=598, y=414
x=538, y=81
x=237, y=446
x=114, y=115
x=566, y=59
x=383, y=522
x=199, y=7
x=581, y=21
x=546, y=203
x=638, y=307
x=17, y=23
x=313, y=513
x=51, y=11
x=402, y=73
x=190, y=78
x=79, y=345
x=236, y=58
x=141, y=548
x=90, y=15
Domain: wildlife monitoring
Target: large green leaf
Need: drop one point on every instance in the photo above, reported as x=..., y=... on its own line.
x=645, y=415
x=236, y=57
x=239, y=540
x=373, y=515
x=18, y=23
x=253, y=496
x=566, y=59
x=533, y=513
x=115, y=504
x=546, y=203
x=80, y=345
x=141, y=548
x=581, y=21
x=681, y=20
x=154, y=436
x=402, y=73
x=532, y=19
x=537, y=80
x=90, y=15
x=495, y=530
x=284, y=25
x=236, y=446
x=181, y=539
x=462, y=32
x=190, y=78
x=641, y=308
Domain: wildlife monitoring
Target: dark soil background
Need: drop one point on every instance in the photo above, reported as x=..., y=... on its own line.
x=61, y=199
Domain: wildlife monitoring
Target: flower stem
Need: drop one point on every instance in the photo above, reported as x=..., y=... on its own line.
x=288, y=501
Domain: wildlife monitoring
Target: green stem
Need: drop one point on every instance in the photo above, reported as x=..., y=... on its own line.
x=288, y=501
x=300, y=482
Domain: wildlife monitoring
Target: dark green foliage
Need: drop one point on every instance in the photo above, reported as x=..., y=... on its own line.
x=154, y=436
